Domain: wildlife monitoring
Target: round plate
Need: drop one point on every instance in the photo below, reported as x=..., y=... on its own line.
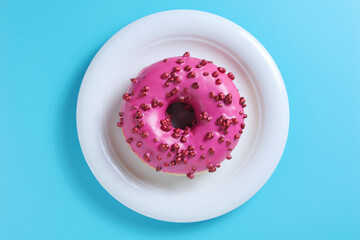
x=171, y=197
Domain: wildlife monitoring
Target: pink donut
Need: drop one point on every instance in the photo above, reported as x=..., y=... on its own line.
x=196, y=97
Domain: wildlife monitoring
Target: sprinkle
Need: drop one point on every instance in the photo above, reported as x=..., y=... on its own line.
x=164, y=147
x=221, y=69
x=209, y=135
x=144, y=134
x=203, y=62
x=190, y=175
x=215, y=74
x=205, y=73
x=138, y=144
x=139, y=114
x=165, y=75
x=158, y=169
x=187, y=68
x=231, y=75
x=129, y=140
x=195, y=85
x=177, y=79
x=126, y=97
x=134, y=130
x=186, y=54
x=147, y=157
x=211, y=151
x=191, y=75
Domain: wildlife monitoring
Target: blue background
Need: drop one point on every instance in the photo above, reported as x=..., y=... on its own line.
x=48, y=192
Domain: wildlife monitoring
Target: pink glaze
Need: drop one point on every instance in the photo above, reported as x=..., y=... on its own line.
x=198, y=83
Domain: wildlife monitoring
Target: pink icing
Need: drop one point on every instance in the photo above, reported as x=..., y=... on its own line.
x=198, y=83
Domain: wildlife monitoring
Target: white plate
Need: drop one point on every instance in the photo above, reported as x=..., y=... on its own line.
x=170, y=197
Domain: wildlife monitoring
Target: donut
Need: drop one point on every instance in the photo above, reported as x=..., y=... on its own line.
x=183, y=115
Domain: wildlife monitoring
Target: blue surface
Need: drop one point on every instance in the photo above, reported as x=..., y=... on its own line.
x=48, y=192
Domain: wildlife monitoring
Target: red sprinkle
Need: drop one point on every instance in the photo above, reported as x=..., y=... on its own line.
x=203, y=62
x=186, y=54
x=147, y=157
x=126, y=97
x=221, y=69
x=165, y=75
x=191, y=75
x=205, y=73
x=211, y=150
x=218, y=81
x=231, y=75
x=158, y=169
x=164, y=147
x=187, y=68
x=134, y=130
x=144, y=134
x=190, y=175
x=215, y=74
x=195, y=85
x=158, y=158
x=177, y=79
x=180, y=61
x=202, y=147
x=133, y=80
x=129, y=140
x=145, y=107
x=209, y=135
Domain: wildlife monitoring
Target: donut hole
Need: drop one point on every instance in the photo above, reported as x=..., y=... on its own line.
x=181, y=114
